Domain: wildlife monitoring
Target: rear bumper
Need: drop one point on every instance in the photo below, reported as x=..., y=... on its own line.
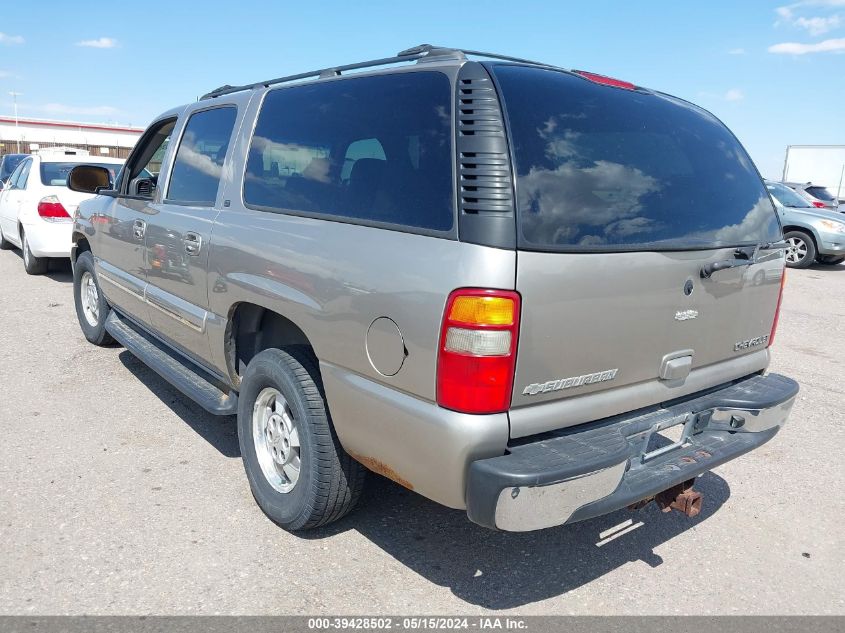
x=593, y=469
x=49, y=239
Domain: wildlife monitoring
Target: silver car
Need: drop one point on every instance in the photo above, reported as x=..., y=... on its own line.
x=812, y=234
x=816, y=195
x=508, y=287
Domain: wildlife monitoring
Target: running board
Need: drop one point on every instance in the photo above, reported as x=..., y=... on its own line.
x=182, y=374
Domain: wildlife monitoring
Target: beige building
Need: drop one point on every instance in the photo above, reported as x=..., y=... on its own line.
x=25, y=136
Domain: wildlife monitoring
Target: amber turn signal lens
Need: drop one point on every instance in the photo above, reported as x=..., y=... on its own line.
x=482, y=310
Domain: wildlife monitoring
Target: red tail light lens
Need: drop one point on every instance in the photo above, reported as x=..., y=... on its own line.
x=50, y=208
x=818, y=205
x=605, y=81
x=777, y=310
x=477, y=354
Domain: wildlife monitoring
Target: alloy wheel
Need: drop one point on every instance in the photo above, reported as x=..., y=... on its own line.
x=796, y=250
x=276, y=439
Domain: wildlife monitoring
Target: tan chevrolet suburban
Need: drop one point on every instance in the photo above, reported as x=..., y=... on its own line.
x=537, y=294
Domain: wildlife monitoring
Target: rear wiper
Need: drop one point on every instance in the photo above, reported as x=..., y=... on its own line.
x=743, y=256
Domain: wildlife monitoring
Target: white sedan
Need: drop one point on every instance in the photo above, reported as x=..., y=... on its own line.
x=36, y=206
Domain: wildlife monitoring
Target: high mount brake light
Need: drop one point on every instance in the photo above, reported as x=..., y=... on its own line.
x=605, y=81
x=818, y=205
x=477, y=354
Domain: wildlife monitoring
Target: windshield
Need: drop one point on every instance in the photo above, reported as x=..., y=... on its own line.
x=9, y=163
x=787, y=197
x=601, y=168
x=55, y=174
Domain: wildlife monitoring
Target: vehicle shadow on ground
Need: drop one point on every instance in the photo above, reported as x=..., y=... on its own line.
x=493, y=570
x=58, y=269
x=836, y=268
x=499, y=570
x=219, y=431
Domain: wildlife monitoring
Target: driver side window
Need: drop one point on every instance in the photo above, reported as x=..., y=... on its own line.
x=141, y=180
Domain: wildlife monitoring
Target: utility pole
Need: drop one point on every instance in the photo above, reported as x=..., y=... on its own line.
x=15, y=96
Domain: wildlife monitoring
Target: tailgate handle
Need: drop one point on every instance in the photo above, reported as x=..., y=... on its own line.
x=676, y=366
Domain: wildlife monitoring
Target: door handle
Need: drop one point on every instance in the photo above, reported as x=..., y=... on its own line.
x=139, y=227
x=193, y=243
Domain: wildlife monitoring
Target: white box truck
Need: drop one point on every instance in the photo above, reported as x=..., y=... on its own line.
x=820, y=164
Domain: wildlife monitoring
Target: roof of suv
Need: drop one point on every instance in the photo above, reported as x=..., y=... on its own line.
x=423, y=52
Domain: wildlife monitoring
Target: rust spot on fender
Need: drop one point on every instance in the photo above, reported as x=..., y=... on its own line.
x=378, y=466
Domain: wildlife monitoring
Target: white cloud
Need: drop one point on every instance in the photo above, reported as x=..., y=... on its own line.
x=734, y=94
x=736, y=51
x=796, y=48
x=60, y=108
x=819, y=26
x=102, y=42
x=10, y=39
x=816, y=25
x=4, y=74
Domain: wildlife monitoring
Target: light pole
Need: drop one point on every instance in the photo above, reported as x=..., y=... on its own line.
x=15, y=96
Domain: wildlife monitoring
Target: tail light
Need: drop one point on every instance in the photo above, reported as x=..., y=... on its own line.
x=477, y=354
x=605, y=81
x=818, y=205
x=51, y=209
x=777, y=309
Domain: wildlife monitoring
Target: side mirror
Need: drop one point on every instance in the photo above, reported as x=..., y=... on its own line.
x=88, y=179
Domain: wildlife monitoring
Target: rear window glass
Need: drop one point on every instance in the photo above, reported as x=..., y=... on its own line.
x=821, y=193
x=786, y=196
x=55, y=174
x=601, y=168
x=375, y=149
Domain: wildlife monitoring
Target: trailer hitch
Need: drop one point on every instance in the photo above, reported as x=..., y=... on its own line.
x=681, y=497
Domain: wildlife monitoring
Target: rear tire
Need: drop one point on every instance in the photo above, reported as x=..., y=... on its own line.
x=830, y=260
x=5, y=244
x=801, y=251
x=92, y=310
x=32, y=265
x=299, y=474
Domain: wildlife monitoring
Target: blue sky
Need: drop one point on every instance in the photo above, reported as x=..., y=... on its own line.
x=774, y=72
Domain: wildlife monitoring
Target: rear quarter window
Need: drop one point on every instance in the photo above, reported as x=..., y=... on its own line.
x=601, y=168
x=366, y=149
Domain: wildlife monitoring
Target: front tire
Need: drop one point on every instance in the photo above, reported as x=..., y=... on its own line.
x=299, y=474
x=32, y=265
x=91, y=307
x=830, y=260
x=801, y=250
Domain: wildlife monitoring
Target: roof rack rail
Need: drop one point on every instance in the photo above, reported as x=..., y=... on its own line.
x=411, y=54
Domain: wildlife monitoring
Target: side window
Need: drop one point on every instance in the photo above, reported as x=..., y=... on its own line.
x=198, y=165
x=139, y=177
x=367, y=148
x=13, y=179
x=23, y=177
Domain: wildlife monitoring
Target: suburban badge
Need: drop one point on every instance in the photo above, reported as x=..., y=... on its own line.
x=569, y=383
